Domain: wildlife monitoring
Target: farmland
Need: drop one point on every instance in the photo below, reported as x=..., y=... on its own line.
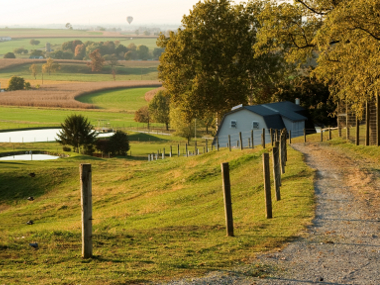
x=152, y=221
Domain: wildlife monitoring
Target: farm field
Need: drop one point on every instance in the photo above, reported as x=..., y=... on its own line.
x=9, y=46
x=80, y=72
x=116, y=109
x=166, y=222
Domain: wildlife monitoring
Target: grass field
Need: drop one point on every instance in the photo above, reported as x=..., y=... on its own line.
x=151, y=221
x=9, y=46
x=82, y=73
x=117, y=108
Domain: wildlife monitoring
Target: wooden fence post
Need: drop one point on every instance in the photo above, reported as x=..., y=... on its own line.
x=290, y=137
x=206, y=145
x=304, y=135
x=187, y=153
x=249, y=143
x=252, y=142
x=268, y=197
x=241, y=141
x=195, y=148
x=237, y=143
x=86, y=201
x=171, y=151
x=227, y=199
x=263, y=138
x=217, y=143
x=148, y=157
x=321, y=135
x=377, y=120
x=178, y=150
x=282, y=154
x=357, y=138
x=276, y=172
x=229, y=142
x=329, y=133
x=163, y=153
x=271, y=136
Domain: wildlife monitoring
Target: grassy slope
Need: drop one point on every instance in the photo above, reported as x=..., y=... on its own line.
x=82, y=73
x=151, y=220
x=119, y=113
x=56, y=43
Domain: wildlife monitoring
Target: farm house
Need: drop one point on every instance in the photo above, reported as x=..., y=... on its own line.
x=275, y=116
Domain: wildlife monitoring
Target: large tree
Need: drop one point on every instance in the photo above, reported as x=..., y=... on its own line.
x=33, y=70
x=77, y=132
x=142, y=115
x=159, y=108
x=343, y=35
x=208, y=65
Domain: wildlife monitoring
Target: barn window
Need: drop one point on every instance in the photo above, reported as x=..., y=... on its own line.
x=255, y=125
x=233, y=124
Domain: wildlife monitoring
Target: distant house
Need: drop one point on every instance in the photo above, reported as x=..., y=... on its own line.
x=36, y=57
x=4, y=39
x=275, y=116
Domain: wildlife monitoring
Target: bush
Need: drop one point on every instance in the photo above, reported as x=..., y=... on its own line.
x=66, y=148
x=16, y=83
x=119, y=143
x=9, y=55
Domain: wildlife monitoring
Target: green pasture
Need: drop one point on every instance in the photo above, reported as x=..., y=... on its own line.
x=116, y=110
x=151, y=220
x=83, y=73
x=9, y=46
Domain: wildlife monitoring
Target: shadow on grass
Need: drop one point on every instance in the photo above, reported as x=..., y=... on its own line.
x=146, y=138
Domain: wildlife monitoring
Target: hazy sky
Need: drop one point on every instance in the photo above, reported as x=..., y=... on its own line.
x=37, y=12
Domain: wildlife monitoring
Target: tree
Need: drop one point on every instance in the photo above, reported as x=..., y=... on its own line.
x=343, y=36
x=208, y=65
x=132, y=46
x=37, y=52
x=50, y=66
x=68, y=26
x=142, y=52
x=121, y=50
x=33, y=70
x=20, y=51
x=183, y=128
x=130, y=55
x=9, y=55
x=97, y=61
x=80, y=51
x=159, y=109
x=16, y=83
x=142, y=115
x=157, y=52
x=34, y=42
x=78, y=133
x=119, y=143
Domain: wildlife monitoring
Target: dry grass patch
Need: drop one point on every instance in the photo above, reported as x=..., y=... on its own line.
x=64, y=95
x=150, y=94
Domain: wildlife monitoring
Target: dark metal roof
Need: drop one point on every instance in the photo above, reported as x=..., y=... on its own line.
x=274, y=122
x=286, y=109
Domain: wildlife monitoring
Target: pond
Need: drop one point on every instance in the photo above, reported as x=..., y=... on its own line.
x=41, y=135
x=29, y=157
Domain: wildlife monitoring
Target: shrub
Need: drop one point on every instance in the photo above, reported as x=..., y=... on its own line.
x=66, y=148
x=9, y=55
x=16, y=83
x=119, y=143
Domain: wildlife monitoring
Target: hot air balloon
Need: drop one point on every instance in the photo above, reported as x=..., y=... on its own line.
x=129, y=19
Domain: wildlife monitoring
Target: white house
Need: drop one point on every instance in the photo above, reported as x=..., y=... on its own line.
x=275, y=116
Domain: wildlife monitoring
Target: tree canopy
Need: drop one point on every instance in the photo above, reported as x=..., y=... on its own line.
x=16, y=83
x=208, y=65
x=343, y=36
x=159, y=108
x=97, y=61
x=50, y=66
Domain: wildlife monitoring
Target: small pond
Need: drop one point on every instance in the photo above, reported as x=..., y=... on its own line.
x=41, y=135
x=29, y=157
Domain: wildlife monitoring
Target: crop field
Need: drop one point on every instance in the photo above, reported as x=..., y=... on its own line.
x=113, y=107
x=14, y=33
x=9, y=46
x=64, y=95
x=80, y=72
x=151, y=220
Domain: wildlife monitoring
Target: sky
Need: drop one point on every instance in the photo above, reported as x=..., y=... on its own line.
x=91, y=12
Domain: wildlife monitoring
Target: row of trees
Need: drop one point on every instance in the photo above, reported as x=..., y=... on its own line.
x=78, y=133
x=264, y=51
x=110, y=49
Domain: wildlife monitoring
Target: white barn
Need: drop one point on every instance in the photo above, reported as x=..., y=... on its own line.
x=244, y=119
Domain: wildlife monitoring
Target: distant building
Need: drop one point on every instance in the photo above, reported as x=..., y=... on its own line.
x=47, y=47
x=4, y=39
x=36, y=57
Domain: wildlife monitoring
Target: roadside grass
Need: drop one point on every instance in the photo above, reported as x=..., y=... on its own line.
x=81, y=72
x=152, y=221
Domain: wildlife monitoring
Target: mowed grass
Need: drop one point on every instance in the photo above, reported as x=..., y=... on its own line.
x=151, y=220
x=56, y=43
x=117, y=111
x=82, y=73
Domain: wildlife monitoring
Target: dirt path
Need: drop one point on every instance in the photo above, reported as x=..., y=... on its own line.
x=342, y=245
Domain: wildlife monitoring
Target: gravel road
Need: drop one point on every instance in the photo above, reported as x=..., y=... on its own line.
x=343, y=244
